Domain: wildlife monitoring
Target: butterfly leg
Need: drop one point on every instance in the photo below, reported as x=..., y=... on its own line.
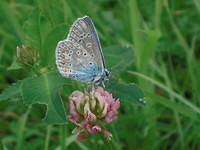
x=103, y=84
x=87, y=88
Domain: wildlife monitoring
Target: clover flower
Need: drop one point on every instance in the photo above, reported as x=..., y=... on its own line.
x=27, y=56
x=87, y=110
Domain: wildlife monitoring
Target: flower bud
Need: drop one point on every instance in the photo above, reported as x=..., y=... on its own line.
x=26, y=55
x=86, y=109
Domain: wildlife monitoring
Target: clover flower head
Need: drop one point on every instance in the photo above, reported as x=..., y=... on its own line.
x=88, y=110
x=27, y=56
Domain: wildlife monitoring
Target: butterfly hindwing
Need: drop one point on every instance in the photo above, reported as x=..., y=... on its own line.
x=72, y=62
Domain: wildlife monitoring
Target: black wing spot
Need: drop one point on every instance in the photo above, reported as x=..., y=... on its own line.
x=85, y=54
x=90, y=63
x=92, y=55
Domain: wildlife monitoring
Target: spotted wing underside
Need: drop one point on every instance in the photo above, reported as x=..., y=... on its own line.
x=80, y=51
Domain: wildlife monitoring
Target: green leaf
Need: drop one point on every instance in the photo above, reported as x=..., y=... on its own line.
x=129, y=92
x=149, y=47
x=118, y=58
x=43, y=90
x=12, y=92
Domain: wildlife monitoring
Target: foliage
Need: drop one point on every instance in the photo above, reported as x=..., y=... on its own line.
x=153, y=45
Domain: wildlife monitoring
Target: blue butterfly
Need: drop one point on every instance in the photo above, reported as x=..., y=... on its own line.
x=80, y=56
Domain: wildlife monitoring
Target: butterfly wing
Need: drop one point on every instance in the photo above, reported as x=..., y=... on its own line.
x=84, y=33
x=80, y=55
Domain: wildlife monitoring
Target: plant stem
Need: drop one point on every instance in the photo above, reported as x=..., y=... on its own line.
x=48, y=134
x=63, y=134
x=176, y=115
x=22, y=123
x=170, y=91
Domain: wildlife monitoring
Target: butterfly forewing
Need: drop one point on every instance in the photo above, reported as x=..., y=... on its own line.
x=84, y=33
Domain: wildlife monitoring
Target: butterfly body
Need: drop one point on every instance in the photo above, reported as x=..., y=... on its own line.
x=90, y=74
x=80, y=55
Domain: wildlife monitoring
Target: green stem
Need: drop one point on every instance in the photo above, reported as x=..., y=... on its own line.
x=48, y=134
x=20, y=134
x=116, y=141
x=1, y=146
x=176, y=115
x=158, y=10
x=63, y=133
x=36, y=70
x=175, y=28
x=176, y=95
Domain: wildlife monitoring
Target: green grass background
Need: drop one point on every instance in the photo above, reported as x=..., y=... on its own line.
x=165, y=40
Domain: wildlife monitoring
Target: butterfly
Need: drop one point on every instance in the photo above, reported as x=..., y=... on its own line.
x=80, y=56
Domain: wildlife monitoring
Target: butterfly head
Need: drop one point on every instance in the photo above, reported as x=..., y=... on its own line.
x=107, y=74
